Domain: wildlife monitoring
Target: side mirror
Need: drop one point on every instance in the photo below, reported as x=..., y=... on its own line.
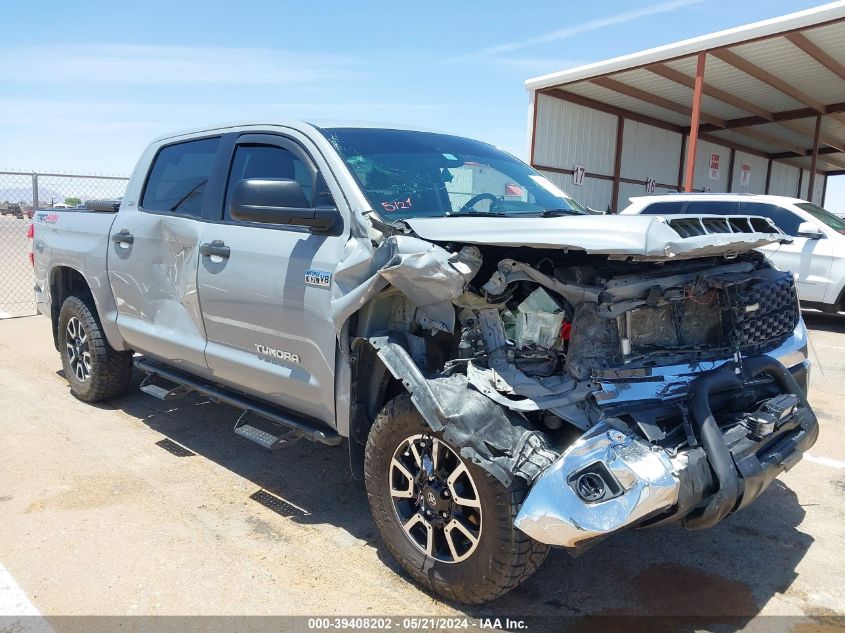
x=810, y=231
x=278, y=201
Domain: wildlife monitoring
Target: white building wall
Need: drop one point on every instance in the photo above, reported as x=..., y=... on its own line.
x=649, y=152
x=757, y=181
x=784, y=180
x=594, y=193
x=701, y=178
x=569, y=134
x=818, y=189
x=628, y=190
x=805, y=182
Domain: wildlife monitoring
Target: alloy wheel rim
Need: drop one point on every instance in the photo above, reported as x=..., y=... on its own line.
x=435, y=499
x=79, y=353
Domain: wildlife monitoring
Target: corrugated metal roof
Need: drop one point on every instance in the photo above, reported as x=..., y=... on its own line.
x=676, y=92
x=802, y=19
x=781, y=58
x=597, y=93
x=764, y=84
x=726, y=77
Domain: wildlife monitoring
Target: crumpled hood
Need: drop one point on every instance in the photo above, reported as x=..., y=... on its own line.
x=640, y=236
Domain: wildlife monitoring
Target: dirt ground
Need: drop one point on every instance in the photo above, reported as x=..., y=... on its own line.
x=102, y=511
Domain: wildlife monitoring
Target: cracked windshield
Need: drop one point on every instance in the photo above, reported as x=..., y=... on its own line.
x=406, y=174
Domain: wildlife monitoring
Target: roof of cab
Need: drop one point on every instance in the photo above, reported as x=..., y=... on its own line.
x=296, y=124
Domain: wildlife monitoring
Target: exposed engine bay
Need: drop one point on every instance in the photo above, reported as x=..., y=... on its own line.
x=542, y=330
x=579, y=373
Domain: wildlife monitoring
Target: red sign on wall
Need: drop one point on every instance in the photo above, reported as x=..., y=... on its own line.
x=714, y=167
x=745, y=175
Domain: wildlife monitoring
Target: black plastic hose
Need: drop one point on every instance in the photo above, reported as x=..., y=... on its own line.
x=725, y=377
x=714, y=445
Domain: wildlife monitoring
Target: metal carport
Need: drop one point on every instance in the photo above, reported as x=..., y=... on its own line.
x=758, y=108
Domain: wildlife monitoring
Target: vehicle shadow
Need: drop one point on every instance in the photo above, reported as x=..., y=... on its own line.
x=726, y=574
x=688, y=580
x=825, y=322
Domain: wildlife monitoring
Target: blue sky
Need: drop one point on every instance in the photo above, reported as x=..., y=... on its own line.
x=85, y=85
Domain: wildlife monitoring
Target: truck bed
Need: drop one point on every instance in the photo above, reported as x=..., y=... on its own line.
x=77, y=239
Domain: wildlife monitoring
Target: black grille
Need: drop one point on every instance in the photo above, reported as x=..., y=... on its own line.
x=763, y=311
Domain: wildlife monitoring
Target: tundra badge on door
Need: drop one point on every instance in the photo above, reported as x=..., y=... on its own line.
x=277, y=353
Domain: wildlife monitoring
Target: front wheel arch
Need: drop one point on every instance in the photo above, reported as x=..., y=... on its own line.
x=372, y=387
x=504, y=556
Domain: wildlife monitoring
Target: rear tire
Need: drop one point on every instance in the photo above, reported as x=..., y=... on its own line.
x=94, y=370
x=456, y=568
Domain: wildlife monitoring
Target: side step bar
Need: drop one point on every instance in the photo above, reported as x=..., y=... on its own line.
x=268, y=439
x=162, y=393
x=308, y=429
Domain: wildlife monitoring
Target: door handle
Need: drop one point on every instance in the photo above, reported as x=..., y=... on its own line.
x=216, y=247
x=123, y=237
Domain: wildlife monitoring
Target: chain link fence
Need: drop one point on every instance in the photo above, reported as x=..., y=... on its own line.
x=21, y=194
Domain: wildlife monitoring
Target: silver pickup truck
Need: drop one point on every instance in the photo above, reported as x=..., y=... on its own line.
x=508, y=372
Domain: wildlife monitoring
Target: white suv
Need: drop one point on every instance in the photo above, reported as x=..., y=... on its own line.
x=816, y=255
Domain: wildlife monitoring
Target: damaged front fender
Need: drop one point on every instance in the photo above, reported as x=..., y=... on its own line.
x=494, y=438
x=430, y=276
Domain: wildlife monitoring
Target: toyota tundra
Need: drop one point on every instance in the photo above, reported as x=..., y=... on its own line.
x=507, y=372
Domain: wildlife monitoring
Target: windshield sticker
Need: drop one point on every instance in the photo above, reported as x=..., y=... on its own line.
x=396, y=205
x=548, y=185
x=449, y=157
x=513, y=190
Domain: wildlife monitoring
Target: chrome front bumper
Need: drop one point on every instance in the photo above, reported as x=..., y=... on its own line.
x=609, y=480
x=646, y=483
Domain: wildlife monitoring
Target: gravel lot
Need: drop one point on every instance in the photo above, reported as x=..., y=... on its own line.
x=97, y=517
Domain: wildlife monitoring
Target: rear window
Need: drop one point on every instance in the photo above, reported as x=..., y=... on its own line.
x=663, y=208
x=178, y=177
x=693, y=207
x=711, y=207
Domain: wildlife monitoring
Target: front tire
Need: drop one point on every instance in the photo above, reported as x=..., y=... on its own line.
x=94, y=369
x=448, y=522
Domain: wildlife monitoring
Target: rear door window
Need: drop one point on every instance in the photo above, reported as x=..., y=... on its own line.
x=179, y=177
x=784, y=219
